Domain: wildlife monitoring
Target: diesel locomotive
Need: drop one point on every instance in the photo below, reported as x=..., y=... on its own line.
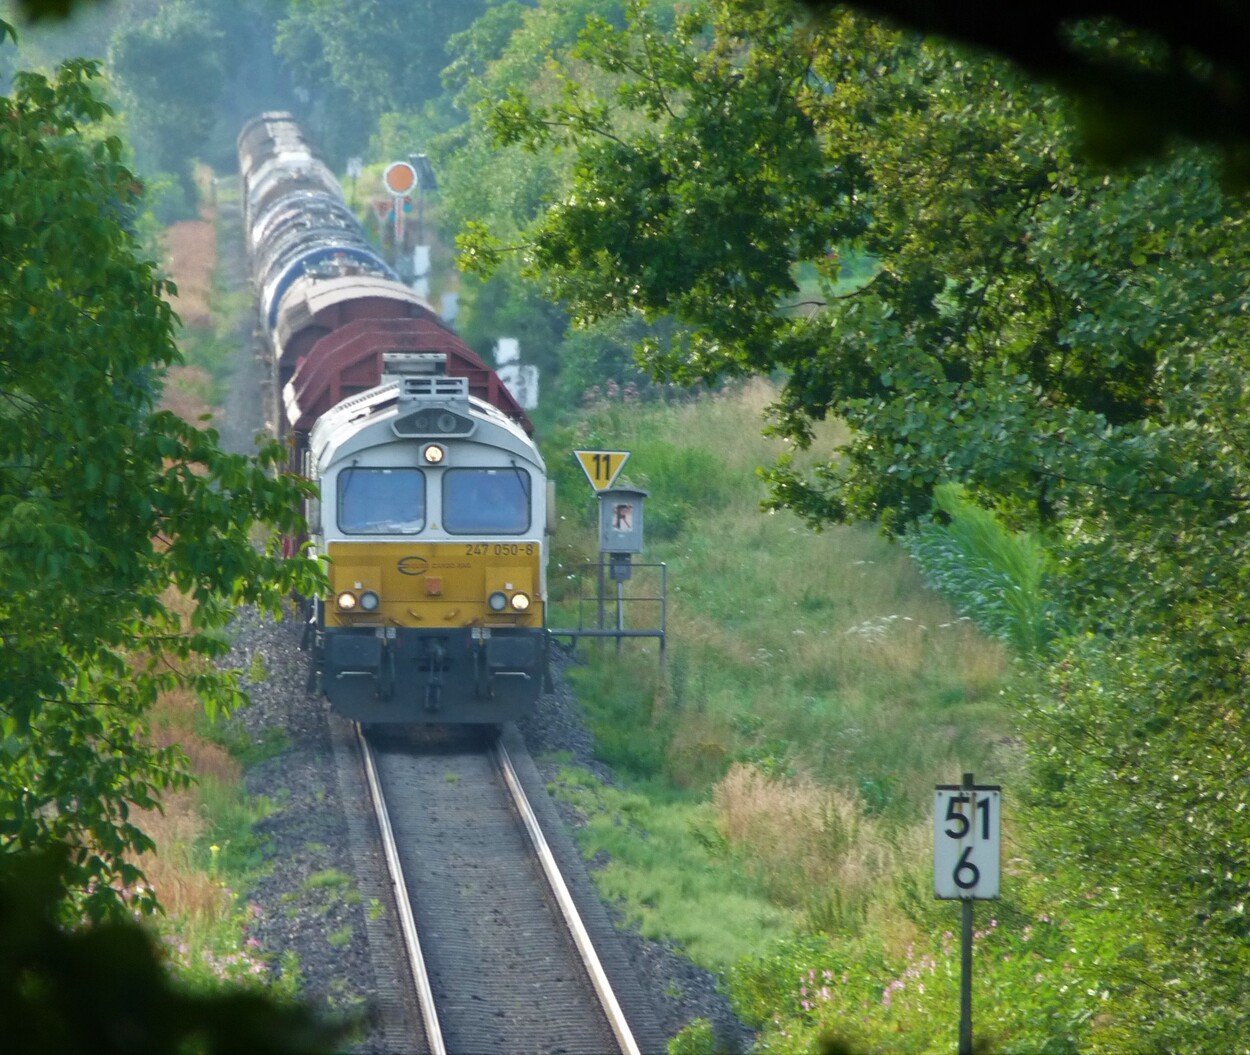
x=433, y=505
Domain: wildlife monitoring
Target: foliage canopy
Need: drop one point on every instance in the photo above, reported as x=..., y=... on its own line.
x=1068, y=344
x=106, y=502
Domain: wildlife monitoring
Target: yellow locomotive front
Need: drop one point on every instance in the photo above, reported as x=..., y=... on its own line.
x=433, y=515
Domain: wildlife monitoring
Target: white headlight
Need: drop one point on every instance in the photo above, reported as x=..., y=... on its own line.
x=346, y=601
x=520, y=602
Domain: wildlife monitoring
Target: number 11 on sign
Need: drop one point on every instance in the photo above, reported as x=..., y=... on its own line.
x=966, y=850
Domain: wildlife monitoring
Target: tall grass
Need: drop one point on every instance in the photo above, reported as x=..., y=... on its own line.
x=816, y=689
x=812, y=848
x=821, y=654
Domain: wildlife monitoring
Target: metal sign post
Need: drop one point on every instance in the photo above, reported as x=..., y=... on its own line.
x=966, y=866
x=399, y=178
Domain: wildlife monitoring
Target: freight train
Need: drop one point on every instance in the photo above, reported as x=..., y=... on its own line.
x=433, y=505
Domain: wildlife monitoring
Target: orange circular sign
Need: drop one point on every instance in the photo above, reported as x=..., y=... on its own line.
x=399, y=177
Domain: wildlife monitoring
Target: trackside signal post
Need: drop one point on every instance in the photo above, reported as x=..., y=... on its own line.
x=620, y=537
x=966, y=856
x=399, y=178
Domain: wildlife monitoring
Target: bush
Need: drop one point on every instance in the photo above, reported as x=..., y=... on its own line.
x=988, y=573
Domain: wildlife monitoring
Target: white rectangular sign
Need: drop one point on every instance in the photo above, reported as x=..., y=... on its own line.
x=966, y=848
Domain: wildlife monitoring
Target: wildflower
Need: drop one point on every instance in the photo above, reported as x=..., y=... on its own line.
x=888, y=995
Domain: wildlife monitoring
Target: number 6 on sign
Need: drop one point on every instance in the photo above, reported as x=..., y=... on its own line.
x=966, y=841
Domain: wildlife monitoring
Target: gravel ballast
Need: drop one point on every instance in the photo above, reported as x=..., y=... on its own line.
x=320, y=908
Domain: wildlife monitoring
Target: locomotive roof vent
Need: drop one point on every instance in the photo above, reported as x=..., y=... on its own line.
x=430, y=403
x=413, y=364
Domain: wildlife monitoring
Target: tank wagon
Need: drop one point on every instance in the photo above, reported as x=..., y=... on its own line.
x=433, y=500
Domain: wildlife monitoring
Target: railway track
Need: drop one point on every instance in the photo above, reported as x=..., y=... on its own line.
x=500, y=958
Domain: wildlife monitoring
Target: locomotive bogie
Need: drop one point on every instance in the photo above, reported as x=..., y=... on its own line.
x=458, y=675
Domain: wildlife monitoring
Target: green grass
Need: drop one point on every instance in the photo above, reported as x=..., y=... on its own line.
x=227, y=846
x=824, y=649
x=328, y=879
x=665, y=879
x=782, y=764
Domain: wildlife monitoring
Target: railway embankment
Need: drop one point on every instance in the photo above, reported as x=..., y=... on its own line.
x=321, y=908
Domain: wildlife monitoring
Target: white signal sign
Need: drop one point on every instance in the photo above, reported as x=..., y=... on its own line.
x=966, y=846
x=602, y=467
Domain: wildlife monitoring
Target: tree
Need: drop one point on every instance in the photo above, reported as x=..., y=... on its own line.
x=171, y=67
x=106, y=503
x=104, y=989
x=1197, y=88
x=1069, y=344
x=507, y=187
x=1193, y=88
x=381, y=55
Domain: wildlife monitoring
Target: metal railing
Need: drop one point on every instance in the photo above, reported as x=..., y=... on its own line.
x=602, y=602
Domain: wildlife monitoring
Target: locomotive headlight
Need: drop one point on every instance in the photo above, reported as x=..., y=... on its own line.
x=520, y=602
x=346, y=600
x=498, y=601
x=433, y=454
x=369, y=601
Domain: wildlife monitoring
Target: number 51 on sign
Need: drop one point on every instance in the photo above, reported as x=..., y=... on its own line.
x=966, y=844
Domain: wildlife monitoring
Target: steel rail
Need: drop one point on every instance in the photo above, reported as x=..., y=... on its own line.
x=573, y=920
x=407, y=922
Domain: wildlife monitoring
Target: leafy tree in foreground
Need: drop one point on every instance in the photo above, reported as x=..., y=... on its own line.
x=104, y=990
x=105, y=503
x=1071, y=346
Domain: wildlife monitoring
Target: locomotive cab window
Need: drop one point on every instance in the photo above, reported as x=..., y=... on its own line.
x=381, y=501
x=486, y=501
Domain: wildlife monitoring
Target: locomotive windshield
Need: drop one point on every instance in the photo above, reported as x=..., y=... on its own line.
x=381, y=501
x=486, y=501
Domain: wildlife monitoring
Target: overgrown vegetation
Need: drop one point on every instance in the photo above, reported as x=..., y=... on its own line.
x=781, y=769
x=1067, y=345
x=133, y=536
x=905, y=237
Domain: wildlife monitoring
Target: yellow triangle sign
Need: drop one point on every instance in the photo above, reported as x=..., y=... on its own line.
x=602, y=467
